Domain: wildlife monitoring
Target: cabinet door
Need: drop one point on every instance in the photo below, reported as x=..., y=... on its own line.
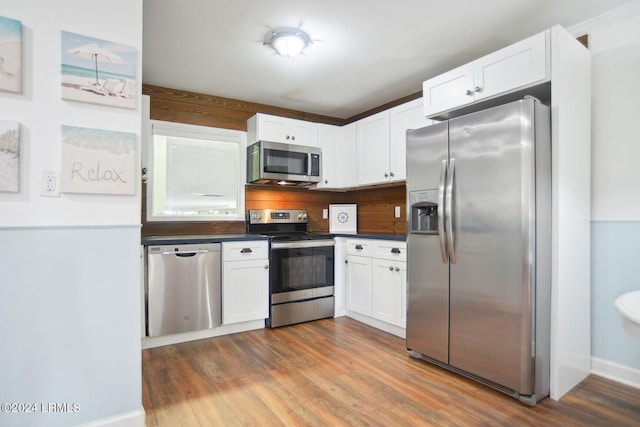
x=358, y=284
x=449, y=90
x=373, y=149
x=245, y=290
x=389, y=291
x=346, y=162
x=329, y=142
x=282, y=129
x=302, y=133
x=385, y=294
x=516, y=66
x=401, y=118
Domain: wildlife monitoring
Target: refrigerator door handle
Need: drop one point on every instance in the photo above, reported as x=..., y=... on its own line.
x=441, y=209
x=449, y=210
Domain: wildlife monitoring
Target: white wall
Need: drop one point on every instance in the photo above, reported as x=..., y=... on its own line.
x=615, y=47
x=614, y=41
x=70, y=265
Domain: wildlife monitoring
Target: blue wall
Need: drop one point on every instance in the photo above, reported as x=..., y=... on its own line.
x=615, y=270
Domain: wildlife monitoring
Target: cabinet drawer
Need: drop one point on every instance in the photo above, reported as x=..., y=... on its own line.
x=391, y=250
x=245, y=250
x=359, y=247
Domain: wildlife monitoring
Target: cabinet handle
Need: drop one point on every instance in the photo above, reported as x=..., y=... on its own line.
x=293, y=137
x=386, y=175
x=391, y=174
x=397, y=268
x=469, y=92
x=390, y=268
x=359, y=247
x=346, y=262
x=266, y=267
x=326, y=181
x=477, y=89
x=287, y=137
x=246, y=251
x=395, y=250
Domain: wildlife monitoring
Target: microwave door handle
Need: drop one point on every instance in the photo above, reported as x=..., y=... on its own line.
x=309, y=156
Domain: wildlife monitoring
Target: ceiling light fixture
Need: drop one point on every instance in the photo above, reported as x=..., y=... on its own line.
x=289, y=42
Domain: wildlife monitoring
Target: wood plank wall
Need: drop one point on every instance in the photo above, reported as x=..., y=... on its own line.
x=172, y=105
x=375, y=205
x=375, y=210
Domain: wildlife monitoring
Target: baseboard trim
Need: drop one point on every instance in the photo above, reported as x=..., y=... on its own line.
x=378, y=324
x=127, y=419
x=613, y=371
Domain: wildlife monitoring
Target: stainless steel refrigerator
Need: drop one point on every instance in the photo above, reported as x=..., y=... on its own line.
x=479, y=246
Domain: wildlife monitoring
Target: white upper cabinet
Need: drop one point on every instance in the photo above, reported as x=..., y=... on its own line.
x=517, y=66
x=329, y=141
x=407, y=116
x=338, y=146
x=381, y=147
x=347, y=154
x=264, y=127
x=373, y=149
x=449, y=90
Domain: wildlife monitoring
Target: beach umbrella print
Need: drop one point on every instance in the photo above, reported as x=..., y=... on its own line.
x=96, y=53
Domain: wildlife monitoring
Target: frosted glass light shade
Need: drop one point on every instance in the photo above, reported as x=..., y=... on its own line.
x=289, y=42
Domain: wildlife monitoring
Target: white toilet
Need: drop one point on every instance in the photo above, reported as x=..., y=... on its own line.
x=628, y=305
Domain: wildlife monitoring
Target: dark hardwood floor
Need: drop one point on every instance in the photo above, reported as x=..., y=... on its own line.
x=340, y=372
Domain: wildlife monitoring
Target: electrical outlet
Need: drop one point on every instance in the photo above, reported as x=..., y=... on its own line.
x=396, y=212
x=49, y=184
x=325, y=213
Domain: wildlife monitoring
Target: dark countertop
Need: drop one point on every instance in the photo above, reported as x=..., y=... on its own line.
x=398, y=237
x=215, y=238
x=204, y=238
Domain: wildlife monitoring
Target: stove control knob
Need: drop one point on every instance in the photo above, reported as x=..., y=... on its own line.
x=303, y=217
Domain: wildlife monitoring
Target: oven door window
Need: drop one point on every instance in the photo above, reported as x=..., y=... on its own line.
x=301, y=268
x=288, y=162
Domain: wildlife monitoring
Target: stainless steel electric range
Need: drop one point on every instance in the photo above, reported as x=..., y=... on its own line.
x=301, y=278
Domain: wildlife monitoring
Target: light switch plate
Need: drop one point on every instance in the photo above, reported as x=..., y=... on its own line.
x=396, y=212
x=325, y=213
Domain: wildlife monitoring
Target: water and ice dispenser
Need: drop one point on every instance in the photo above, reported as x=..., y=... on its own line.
x=423, y=211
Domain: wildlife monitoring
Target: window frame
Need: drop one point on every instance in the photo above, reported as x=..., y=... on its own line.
x=181, y=130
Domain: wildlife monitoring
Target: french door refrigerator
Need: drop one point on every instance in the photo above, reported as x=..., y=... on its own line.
x=479, y=246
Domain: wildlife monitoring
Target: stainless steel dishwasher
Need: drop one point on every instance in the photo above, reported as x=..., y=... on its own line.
x=183, y=288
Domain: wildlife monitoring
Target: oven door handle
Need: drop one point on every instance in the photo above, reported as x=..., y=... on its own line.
x=302, y=244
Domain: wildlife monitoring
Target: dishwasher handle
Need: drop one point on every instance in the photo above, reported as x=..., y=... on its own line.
x=185, y=253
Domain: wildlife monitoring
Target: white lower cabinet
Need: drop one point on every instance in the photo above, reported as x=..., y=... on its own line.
x=359, y=284
x=389, y=291
x=245, y=281
x=376, y=279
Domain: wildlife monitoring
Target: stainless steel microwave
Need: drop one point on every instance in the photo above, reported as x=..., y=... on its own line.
x=286, y=164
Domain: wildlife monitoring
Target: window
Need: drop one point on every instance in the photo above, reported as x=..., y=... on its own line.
x=196, y=173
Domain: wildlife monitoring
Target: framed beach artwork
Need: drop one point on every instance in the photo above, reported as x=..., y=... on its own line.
x=10, y=55
x=9, y=156
x=98, y=71
x=96, y=161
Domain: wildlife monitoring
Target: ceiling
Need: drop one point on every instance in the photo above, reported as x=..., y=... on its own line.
x=365, y=52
